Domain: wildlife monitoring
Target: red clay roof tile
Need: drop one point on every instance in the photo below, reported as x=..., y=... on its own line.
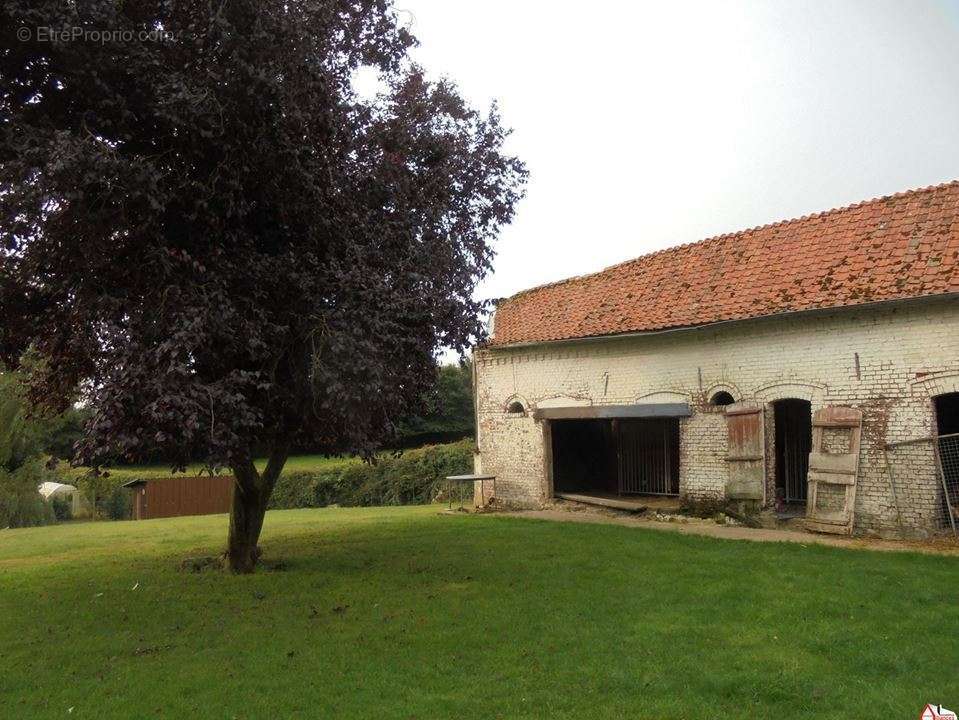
x=892, y=248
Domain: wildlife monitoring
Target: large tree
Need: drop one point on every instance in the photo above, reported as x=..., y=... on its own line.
x=213, y=237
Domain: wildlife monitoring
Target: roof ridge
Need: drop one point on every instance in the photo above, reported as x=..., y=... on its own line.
x=745, y=231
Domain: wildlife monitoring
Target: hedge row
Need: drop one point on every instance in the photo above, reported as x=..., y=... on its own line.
x=20, y=503
x=416, y=477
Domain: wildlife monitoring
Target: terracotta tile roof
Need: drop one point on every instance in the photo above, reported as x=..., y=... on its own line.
x=896, y=247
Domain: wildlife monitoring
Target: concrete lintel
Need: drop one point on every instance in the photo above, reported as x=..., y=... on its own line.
x=609, y=412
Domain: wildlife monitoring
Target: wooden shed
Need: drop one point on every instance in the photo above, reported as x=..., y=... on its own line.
x=182, y=495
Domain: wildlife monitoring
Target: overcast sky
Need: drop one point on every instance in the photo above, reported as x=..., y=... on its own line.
x=646, y=125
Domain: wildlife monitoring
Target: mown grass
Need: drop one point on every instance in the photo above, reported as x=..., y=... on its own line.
x=404, y=613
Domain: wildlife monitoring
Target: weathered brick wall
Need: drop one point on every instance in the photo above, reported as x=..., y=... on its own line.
x=888, y=361
x=514, y=451
x=703, y=436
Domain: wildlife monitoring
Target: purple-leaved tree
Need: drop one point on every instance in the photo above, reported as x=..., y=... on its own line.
x=219, y=244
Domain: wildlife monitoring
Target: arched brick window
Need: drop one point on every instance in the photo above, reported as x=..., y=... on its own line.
x=722, y=399
x=515, y=407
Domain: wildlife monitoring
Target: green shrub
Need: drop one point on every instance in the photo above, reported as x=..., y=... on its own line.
x=62, y=509
x=20, y=503
x=22, y=468
x=117, y=504
x=24, y=510
x=414, y=478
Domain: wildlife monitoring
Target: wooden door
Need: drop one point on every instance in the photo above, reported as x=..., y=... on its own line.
x=833, y=469
x=746, y=454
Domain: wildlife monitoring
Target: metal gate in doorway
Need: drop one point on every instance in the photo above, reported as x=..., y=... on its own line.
x=793, y=420
x=937, y=456
x=947, y=451
x=648, y=456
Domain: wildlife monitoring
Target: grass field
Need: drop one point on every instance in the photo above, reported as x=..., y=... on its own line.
x=404, y=613
x=296, y=463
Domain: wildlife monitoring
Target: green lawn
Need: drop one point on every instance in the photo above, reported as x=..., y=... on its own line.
x=294, y=464
x=404, y=613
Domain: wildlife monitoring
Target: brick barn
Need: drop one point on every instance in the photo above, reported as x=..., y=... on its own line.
x=810, y=366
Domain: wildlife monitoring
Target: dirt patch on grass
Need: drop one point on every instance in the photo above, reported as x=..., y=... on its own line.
x=200, y=564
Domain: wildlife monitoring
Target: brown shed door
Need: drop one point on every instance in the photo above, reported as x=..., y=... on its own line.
x=746, y=452
x=833, y=468
x=139, y=502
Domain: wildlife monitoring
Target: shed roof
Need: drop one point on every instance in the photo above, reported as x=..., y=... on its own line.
x=896, y=247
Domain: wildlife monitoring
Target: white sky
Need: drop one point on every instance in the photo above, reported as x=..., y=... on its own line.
x=646, y=125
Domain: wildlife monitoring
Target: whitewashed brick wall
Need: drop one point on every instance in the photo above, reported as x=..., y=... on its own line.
x=887, y=360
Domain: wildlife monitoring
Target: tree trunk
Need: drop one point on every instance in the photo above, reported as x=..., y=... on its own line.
x=251, y=495
x=246, y=520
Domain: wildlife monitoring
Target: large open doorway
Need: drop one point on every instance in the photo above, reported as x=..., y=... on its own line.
x=609, y=459
x=793, y=421
x=584, y=456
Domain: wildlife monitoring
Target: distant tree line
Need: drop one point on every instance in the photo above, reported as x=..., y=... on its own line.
x=33, y=446
x=449, y=416
x=449, y=410
x=27, y=443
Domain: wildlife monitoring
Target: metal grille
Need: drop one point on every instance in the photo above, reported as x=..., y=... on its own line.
x=793, y=443
x=935, y=458
x=647, y=450
x=948, y=462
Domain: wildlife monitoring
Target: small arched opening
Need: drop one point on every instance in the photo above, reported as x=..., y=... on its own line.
x=515, y=407
x=721, y=399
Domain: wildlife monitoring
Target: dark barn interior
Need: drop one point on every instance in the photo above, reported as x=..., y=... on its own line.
x=947, y=447
x=947, y=414
x=584, y=456
x=616, y=456
x=793, y=420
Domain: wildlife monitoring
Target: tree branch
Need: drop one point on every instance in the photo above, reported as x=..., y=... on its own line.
x=274, y=465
